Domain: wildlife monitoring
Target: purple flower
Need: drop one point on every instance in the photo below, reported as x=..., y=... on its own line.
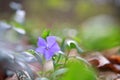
x=47, y=47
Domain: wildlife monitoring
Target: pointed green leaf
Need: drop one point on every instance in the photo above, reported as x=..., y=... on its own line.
x=45, y=33
x=72, y=44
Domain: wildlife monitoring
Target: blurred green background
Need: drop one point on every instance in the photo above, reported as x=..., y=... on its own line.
x=94, y=24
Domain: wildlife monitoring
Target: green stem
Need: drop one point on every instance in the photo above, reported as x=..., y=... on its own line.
x=57, y=61
x=66, y=58
x=58, y=58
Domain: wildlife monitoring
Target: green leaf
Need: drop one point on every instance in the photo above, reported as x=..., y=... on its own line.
x=30, y=51
x=58, y=73
x=42, y=78
x=18, y=27
x=45, y=33
x=38, y=56
x=78, y=70
x=72, y=44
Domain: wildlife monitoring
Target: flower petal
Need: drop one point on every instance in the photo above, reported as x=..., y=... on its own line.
x=48, y=54
x=55, y=48
x=41, y=42
x=40, y=50
x=51, y=40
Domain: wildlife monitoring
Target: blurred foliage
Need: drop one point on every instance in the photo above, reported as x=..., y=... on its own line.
x=66, y=10
x=100, y=38
x=78, y=70
x=58, y=15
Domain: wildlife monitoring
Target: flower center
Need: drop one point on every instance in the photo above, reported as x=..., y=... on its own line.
x=47, y=48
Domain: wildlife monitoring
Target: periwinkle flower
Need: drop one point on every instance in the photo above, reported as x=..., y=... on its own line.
x=48, y=47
